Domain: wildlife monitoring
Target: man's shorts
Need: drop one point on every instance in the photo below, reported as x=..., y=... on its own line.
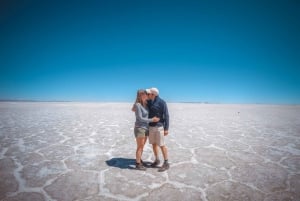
x=140, y=132
x=156, y=135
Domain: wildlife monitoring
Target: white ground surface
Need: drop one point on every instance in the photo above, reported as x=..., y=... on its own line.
x=85, y=151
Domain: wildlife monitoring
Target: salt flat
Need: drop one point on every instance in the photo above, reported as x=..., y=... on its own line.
x=86, y=151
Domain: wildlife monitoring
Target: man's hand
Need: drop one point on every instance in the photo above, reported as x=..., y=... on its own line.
x=166, y=132
x=155, y=119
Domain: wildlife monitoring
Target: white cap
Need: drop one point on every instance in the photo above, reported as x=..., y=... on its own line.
x=154, y=91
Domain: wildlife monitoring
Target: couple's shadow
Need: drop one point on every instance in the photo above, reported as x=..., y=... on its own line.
x=123, y=163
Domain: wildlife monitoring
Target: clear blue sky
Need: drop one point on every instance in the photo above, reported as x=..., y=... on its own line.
x=216, y=51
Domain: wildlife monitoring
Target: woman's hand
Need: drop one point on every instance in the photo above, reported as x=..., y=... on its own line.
x=155, y=119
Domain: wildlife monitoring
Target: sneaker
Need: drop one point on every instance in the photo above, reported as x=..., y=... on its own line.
x=155, y=163
x=139, y=166
x=164, y=167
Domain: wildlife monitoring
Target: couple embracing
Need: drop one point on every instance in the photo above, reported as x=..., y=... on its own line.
x=152, y=119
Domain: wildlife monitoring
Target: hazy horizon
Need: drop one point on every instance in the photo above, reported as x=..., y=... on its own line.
x=130, y=102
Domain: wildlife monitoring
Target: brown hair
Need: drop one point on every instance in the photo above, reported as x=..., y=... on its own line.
x=138, y=99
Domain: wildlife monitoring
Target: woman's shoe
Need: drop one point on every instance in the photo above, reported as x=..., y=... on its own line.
x=139, y=166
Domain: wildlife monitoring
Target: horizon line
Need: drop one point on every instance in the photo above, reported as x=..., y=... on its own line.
x=191, y=102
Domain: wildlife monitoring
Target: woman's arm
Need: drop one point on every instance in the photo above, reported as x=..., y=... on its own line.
x=139, y=116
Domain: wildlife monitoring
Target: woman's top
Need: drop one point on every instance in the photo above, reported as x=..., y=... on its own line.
x=141, y=117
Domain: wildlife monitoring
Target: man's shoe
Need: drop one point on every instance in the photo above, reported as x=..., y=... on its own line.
x=139, y=166
x=155, y=163
x=143, y=162
x=164, y=167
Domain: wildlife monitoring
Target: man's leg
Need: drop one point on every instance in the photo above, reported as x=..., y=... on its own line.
x=155, y=151
x=164, y=151
x=152, y=140
x=166, y=164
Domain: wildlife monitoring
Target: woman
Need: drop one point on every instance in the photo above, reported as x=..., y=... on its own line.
x=141, y=129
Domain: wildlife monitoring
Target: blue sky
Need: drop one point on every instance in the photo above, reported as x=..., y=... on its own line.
x=202, y=51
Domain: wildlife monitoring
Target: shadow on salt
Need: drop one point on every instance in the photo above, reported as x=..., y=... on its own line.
x=122, y=163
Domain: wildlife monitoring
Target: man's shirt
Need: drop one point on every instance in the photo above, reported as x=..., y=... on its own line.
x=158, y=108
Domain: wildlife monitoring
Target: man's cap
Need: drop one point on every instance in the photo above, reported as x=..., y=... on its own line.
x=153, y=90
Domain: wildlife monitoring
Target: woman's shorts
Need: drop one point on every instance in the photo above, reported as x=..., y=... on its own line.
x=140, y=132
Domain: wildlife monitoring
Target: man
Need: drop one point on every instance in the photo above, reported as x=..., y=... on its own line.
x=158, y=130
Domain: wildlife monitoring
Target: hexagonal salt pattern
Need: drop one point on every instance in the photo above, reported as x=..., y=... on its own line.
x=86, y=151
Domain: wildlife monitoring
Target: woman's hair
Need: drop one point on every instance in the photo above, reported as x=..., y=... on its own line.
x=139, y=93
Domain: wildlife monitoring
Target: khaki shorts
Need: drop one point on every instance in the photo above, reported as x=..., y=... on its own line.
x=156, y=136
x=140, y=132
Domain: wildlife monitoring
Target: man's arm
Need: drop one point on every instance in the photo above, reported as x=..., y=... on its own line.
x=166, y=118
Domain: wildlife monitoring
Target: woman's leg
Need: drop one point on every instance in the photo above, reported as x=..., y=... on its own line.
x=144, y=146
x=140, y=141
